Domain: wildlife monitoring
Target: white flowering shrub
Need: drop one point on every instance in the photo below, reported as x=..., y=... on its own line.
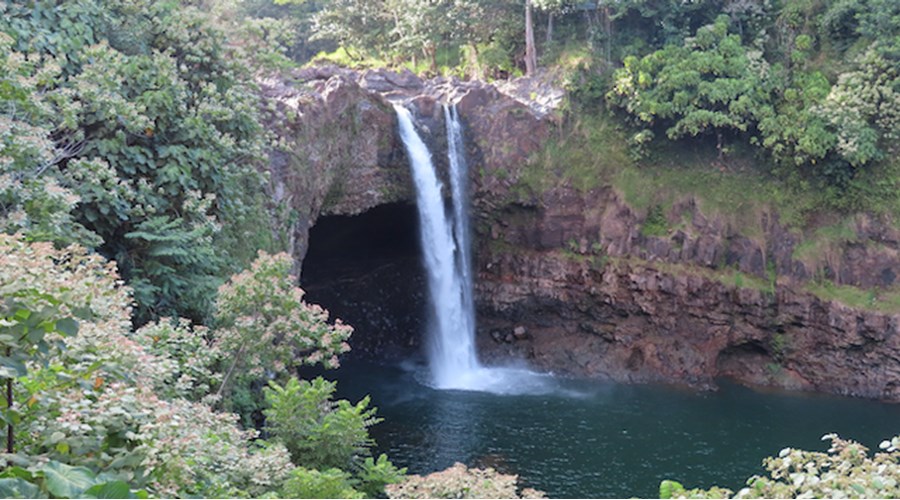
x=263, y=326
x=186, y=356
x=846, y=470
x=864, y=109
x=94, y=400
x=460, y=481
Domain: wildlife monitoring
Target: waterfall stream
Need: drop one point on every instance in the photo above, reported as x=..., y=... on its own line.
x=446, y=247
x=451, y=349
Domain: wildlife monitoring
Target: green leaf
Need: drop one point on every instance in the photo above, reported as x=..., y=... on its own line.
x=18, y=488
x=112, y=489
x=670, y=489
x=35, y=335
x=17, y=472
x=65, y=481
x=67, y=326
x=10, y=368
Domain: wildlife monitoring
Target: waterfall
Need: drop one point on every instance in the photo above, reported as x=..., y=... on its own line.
x=459, y=177
x=446, y=247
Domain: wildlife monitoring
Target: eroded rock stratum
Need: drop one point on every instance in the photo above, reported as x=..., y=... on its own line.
x=566, y=279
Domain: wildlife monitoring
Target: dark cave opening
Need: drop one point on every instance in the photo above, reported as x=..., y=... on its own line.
x=749, y=362
x=367, y=270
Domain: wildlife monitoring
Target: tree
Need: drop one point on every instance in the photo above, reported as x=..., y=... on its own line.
x=710, y=84
x=354, y=24
x=530, y=49
x=152, y=133
x=792, y=131
x=263, y=326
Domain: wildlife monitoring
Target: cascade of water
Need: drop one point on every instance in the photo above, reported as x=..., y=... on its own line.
x=447, y=251
x=459, y=177
x=452, y=349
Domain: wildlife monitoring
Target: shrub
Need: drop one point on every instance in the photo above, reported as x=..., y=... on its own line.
x=320, y=433
x=375, y=475
x=461, y=482
x=331, y=483
x=844, y=471
x=265, y=327
x=89, y=400
x=187, y=354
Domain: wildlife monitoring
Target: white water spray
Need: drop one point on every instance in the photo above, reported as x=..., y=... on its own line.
x=447, y=251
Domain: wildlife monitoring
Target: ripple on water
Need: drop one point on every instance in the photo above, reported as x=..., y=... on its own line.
x=593, y=440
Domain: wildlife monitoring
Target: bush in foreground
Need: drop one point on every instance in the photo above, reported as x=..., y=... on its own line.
x=845, y=471
x=461, y=482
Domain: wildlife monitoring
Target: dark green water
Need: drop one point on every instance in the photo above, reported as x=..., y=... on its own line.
x=601, y=440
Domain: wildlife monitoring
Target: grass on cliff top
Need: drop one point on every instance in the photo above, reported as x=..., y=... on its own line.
x=881, y=300
x=592, y=150
x=585, y=153
x=736, y=189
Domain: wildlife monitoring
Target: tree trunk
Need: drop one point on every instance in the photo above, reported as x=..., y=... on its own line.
x=10, y=439
x=475, y=71
x=530, y=51
x=431, y=52
x=607, y=21
x=549, y=28
x=719, y=146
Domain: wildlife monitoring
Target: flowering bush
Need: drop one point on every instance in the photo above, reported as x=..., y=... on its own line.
x=92, y=400
x=186, y=356
x=461, y=482
x=864, y=109
x=263, y=324
x=845, y=471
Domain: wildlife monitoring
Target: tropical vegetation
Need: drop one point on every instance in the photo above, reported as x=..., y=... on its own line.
x=151, y=331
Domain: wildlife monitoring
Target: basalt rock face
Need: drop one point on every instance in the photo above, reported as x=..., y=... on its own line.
x=591, y=295
x=572, y=281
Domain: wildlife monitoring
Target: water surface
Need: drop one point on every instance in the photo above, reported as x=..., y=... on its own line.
x=601, y=440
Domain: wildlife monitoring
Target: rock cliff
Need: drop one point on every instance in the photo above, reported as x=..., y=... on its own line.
x=567, y=279
x=590, y=295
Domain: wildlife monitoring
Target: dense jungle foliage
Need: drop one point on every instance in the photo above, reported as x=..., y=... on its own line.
x=131, y=189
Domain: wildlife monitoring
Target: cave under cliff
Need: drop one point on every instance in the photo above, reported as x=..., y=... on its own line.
x=366, y=269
